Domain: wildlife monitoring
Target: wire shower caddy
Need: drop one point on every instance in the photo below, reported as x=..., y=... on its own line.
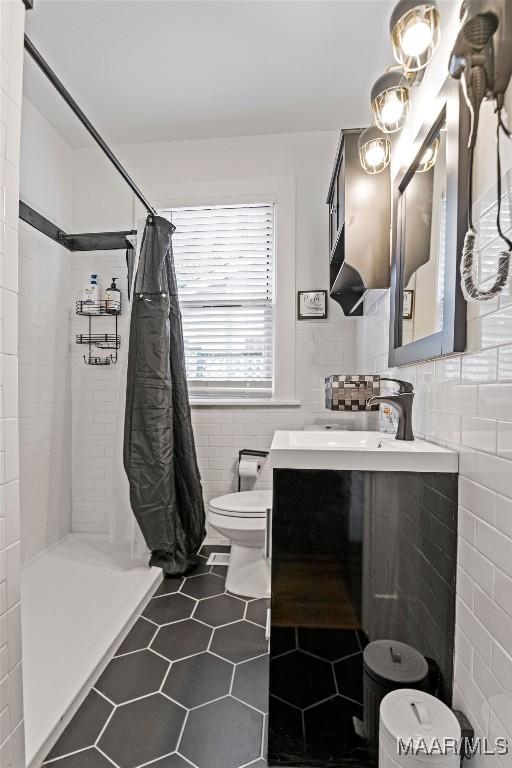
x=105, y=341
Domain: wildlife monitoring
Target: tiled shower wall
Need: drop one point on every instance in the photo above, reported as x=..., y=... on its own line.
x=465, y=402
x=12, y=17
x=44, y=311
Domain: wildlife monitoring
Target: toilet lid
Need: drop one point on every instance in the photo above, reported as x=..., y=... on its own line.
x=250, y=503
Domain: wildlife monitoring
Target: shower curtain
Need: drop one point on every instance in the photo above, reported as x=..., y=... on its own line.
x=159, y=451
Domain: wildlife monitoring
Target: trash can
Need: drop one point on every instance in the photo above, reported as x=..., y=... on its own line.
x=416, y=731
x=388, y=665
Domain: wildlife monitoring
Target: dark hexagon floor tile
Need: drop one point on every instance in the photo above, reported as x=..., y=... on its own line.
x=169, y=585
x=330, y=644
x=282, y=640
x=198, y=680
x=142, y=731
x=164, y=610
x=239, y=642
x=222, y=609
x=138, y=637
x=184, y=638
x=88, y=758
x=301, y=680
x=349, y=677
x=285, y=724
x=251, y=683
x=129, y=677
x=258, y=764
x=206, y=585
x=85, y=727
x=234, y=735
x=257, y=611
x=332, y=721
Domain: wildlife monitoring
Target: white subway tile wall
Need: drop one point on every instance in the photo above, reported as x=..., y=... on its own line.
x=465, y=402
x=12, y=749
x=44, y=392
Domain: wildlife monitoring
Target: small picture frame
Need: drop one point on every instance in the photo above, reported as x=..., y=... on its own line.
x=312, y=305
x=408, y=304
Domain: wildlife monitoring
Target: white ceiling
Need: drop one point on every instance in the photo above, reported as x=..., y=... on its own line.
x=159, y=70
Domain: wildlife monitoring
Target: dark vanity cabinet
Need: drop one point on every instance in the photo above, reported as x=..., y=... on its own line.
x=356, y=556
x=359, y=227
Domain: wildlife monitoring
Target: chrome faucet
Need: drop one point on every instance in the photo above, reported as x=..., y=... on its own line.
x=402, y=400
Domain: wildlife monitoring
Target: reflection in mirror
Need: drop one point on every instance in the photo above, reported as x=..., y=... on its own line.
x=423, y=230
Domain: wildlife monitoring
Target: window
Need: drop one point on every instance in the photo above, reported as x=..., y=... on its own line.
x=224, y=259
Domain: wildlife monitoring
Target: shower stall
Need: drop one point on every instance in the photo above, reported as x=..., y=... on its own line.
x=85, y=574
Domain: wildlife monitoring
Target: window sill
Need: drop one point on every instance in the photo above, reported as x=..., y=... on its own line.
x=236, y=402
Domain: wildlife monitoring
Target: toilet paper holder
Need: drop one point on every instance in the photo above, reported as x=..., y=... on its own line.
x=249, y=452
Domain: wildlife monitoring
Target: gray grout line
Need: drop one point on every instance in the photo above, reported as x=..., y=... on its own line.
x=232, y=681
x=165, y=676
x=160, y=655
x=185, y=720
x=151, y=762
x=107, y=757
x=278, y=698
x=107, y=721
x=103, y=695
x=67, y=754
x=333, y=671
x=251, y=706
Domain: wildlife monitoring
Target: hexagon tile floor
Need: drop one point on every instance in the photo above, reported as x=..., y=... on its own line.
x=187, y=687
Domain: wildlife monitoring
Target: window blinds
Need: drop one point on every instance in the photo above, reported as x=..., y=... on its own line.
x=224, y=258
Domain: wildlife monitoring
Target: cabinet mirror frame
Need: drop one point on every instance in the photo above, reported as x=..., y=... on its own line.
x=451, y=338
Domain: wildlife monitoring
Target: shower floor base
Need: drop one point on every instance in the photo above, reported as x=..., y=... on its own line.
x=79, y=600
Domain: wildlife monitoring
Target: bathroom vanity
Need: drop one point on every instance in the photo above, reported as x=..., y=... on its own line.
x=363, y=548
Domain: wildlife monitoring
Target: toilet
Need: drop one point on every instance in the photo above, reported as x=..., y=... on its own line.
x=242, y=518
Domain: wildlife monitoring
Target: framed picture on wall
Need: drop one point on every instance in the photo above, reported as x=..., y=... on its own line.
x=311, y=305
x=408, y=305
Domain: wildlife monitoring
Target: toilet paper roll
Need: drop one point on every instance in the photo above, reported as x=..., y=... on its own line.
x=250, y=466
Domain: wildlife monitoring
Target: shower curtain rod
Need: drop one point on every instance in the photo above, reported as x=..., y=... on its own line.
x=58, y=85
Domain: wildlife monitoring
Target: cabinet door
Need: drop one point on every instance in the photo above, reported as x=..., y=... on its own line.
x=340, y=185
x=333, y=217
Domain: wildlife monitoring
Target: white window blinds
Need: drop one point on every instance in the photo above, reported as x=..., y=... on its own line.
x=224, y=258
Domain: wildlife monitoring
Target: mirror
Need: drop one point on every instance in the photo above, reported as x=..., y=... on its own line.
x=424, y=243
x=428, y=311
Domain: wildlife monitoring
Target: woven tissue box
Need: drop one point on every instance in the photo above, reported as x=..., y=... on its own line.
x=350, y=393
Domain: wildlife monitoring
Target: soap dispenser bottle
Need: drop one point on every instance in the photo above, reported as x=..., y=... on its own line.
x=113, y=298
x=91, y=297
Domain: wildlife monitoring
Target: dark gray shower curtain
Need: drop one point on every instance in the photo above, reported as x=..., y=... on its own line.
x=159, y=451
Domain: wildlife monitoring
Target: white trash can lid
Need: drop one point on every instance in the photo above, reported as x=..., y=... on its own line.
x=408, y=714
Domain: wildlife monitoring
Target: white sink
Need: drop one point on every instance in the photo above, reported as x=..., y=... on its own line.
x=365, y=451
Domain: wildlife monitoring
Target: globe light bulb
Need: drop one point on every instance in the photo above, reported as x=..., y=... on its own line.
x=392, y=109
x=375, y=154
x=374, y=148
x=416, y=38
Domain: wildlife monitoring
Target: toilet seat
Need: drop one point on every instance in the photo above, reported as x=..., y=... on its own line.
x=244, y=504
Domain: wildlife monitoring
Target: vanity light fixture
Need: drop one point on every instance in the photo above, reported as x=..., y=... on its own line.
x=374, y=150
x=429, y=157
x=390, y=101
x=415, y=33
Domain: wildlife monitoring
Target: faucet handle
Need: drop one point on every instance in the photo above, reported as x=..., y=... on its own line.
x=404, y=387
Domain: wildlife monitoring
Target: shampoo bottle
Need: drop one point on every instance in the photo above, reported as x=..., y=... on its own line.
x=91, y=297
x=113, y=298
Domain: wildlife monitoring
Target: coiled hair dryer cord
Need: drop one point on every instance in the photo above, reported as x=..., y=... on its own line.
x=471, y=291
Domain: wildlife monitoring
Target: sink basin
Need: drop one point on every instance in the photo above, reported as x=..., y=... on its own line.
x=365, y=451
